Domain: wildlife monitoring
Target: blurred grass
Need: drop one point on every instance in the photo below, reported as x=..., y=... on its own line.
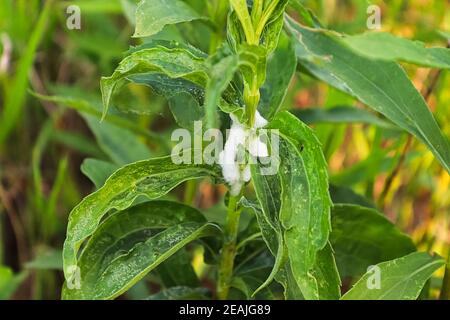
x=44, y=141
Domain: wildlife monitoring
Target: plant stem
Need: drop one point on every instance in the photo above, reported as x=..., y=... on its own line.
x=189, y=192
x=251, y=98
x=445, y=291
x=219, y=18
x=228, y=251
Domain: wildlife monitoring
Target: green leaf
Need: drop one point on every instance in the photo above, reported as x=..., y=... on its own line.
x=98, y=171
x=235, y=33
x=77, y=142
x=178, y=271
x=221, y=73
x=10, y=282
x=281, y=68
x=272, y=29
x=296, y=210
x=181, y=293
x=345, y=195
x=241, y=9
x=305, y=217
x=50, y=259
x=382, y=85
x=130, y=243
x=253, y=63
x=14, y=101
x=119, y=144
x=266, y=212
x=151, y=178
x=129, y=10
x=250, y=61
x=363, y=237
x=342, y=114
x=307, y=16
x=190, y=101
x=401, y=279
x=248, y=284
x=185, y=98
x=186, y=110
x=116, y=139
x=386, y=46
x=175, y=63
x=153, y=15
x=85, y=106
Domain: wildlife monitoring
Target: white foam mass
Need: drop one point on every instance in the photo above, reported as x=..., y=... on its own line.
x=238, y=137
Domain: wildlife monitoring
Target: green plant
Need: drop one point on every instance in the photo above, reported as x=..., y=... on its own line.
x=295, y=242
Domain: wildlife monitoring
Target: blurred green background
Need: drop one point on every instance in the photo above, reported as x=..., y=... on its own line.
x=43, y=142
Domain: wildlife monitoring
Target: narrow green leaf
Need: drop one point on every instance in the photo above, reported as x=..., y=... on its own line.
x=305, y=217
x=185, y=98
x=281, y=68
x=271, y=33
x=382, y=85
x=77, y=142
x=10, y=282
x=248, y=285
x=16, y=94
x=175, y=63
x=345, y=195
x=363, y=237
x=342, y=114
x=98, y=171
x=151, y=178
x=296, y=210
x=50, y=259
x=305, y=14
x=178, y=271
x=181, y=293
x=153, y=15
x=87, y=107
x=400, y=279
x=241, y=9
x=130, y=243
x=386, y=46
x=235, y=33
x=268, y=194
x=221, y=74
x=186, y=110
x=120, y=145
x=253, y=63
x=129, y=10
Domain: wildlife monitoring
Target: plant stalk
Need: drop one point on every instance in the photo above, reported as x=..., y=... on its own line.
x=228, y=251
x=251, y=98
